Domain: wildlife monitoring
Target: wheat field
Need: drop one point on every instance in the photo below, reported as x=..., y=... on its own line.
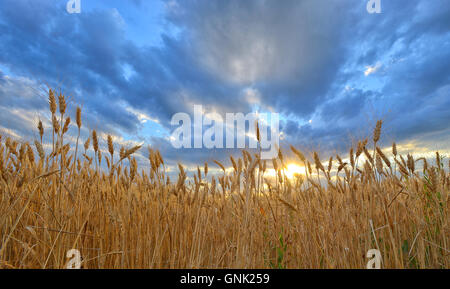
x=119, y=215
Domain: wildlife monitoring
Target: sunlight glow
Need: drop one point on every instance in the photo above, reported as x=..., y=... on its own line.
x=291, y=170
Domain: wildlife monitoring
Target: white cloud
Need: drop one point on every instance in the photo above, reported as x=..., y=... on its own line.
x=142, y=117
x=372, y=69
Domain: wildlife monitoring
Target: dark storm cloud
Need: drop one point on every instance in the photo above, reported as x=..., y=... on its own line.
x=346, y=107
x=289, y=50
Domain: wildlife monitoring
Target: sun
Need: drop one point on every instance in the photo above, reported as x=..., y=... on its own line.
x=293, y=169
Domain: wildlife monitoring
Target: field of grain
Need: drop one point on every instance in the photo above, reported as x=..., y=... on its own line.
x=121, y=216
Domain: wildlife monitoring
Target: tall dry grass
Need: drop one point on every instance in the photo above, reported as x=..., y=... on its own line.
x=124, y=217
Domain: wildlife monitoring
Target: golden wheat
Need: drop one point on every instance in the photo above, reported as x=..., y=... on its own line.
x=131, y=217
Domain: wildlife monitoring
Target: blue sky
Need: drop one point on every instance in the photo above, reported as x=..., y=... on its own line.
x=328, y=67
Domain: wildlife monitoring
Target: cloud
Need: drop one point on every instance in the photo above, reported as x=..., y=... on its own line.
x=306, y=59
x=372, y=69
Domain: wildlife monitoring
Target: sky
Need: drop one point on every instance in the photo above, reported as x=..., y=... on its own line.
x=329, y=68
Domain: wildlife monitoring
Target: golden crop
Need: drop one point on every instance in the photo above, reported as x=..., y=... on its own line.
x=127, y=217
